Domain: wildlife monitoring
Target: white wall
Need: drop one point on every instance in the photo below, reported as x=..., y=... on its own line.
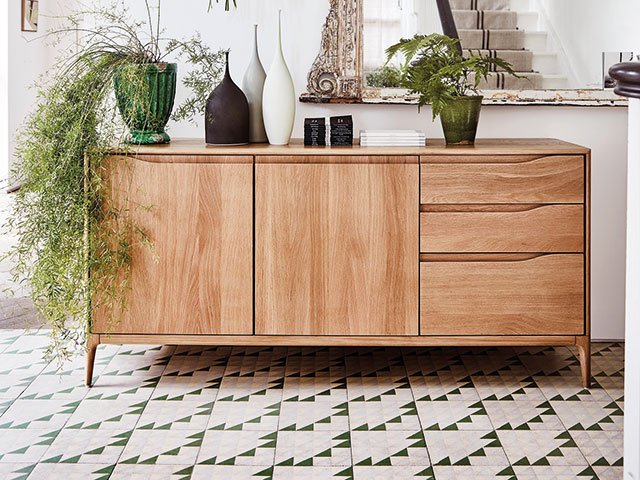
x=603, y=129
x=586, y=28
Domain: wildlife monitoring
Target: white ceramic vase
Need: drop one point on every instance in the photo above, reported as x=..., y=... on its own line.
x=279, y=97
x=253, y=86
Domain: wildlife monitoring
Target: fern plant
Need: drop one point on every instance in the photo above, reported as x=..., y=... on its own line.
x=435, y=69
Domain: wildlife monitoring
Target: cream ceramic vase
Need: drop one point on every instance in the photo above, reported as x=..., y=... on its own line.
x=279, y=97
x=253, y=86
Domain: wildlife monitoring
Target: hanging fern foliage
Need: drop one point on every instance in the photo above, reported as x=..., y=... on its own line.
x=435, y=69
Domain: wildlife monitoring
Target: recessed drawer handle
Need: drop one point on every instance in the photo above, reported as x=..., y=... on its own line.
x=482, y=208
x=480, y=257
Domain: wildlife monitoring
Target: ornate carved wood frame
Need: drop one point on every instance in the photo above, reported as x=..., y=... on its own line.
x=336, y=73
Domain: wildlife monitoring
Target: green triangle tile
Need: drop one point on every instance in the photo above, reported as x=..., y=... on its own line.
x=308, y=428
x=466, y=419
x=601, y=462
x=312, y=398
x=536, y=419
x=362, y=428
x=177, y=398
x=618, y=463
x=524, y=461
x=386, y=462
x=426, y=398
x=236, y=427
x=72, y=459
x=107, y=469
x=184, y=419
x=577, y=426
x=226, y=399
x=286, y=463
x=506, y=398
x=478, y=453
x=524, y=426
x=20, y=451
x=435, y=426
x=308, y=462
x=195, y=443
x=588, y=472
x=375, y=399
x=209, y=461
x=166, y=426
x=44, y=419
x=445, y=462
x=418, y=444
x=416, y=436
x=494, y=444
x=542, y=462
x=593, y=427
x=228, y=461
x=185, y=471
x=21, y=426
x=463, y=461
x=379, y=428
x=347, y=472
x=453, y=426
x=506, y=472
x=397, y=419
x=55, y=459
x=490, y=397
x=268, y=472
x=248, y=453
x=427, y=472
x=150, y=461
x=402, y=453
x=325, y=453
x=95, y=451
x=345, y=444
x=289, y=428
x=342, y=436
x=324, y=420
x=365, y=463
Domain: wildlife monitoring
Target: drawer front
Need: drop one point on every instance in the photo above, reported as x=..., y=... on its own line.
x=509, y=295
x=502, y=228
x=554, y=179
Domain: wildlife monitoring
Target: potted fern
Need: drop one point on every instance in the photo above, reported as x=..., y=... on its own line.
x=435, y=69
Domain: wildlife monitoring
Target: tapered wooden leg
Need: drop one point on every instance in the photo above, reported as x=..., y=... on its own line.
x=92, y=346
x=584, y=349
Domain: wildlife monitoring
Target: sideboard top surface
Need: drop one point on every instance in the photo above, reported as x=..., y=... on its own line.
x=483, y=147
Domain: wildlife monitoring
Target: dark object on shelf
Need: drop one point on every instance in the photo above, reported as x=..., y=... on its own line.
x=460, y=120
x=315, y=132
x=341, y=131
x=227, y=114
x=627, y=77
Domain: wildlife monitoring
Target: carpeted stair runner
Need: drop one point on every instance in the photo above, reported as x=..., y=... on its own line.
x=489, y=26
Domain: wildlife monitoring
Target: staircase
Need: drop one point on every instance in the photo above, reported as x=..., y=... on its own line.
x=508, y=29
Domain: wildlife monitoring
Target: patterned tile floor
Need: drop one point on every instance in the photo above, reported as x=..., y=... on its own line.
x=166, y=412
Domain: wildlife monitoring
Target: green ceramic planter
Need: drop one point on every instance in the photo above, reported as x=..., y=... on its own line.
x=147, y=117
x=460, y=120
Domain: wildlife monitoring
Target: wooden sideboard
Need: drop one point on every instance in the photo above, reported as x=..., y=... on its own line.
x=483, y=245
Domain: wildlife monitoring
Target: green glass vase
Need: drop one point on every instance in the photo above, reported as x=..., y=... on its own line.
x=146, y=110
x=460, y=120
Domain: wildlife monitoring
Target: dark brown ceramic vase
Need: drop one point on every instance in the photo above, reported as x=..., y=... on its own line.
x=227, y=114
x=460, y=120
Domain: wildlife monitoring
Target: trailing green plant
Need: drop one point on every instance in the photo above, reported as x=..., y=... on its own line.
x=227, y=4
x=387, y=76
x=207, y=70
x=435, y=69
x=66, y=217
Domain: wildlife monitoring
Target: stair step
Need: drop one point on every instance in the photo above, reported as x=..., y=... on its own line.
x=527, y=20
x=492, y=39
x=536, y=41
x=554, y=82
x=480, y=4
x=502, y=81
x=485, y=19
x=520, y=60
x=520, y=5
x=545, y=63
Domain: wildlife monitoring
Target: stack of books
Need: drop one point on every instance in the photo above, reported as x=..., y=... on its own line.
x=392, y=138
x=315, y=132
x=341, y=131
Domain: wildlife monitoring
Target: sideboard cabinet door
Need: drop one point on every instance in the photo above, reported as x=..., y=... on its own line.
x=337, y=249
x=198, y=276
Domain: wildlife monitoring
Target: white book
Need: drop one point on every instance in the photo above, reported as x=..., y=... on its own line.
x=391, y=133
x=392, y=144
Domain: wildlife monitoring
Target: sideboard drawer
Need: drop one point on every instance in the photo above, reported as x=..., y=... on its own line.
x=551, y=179
x=503, y=295
x=502, y=228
